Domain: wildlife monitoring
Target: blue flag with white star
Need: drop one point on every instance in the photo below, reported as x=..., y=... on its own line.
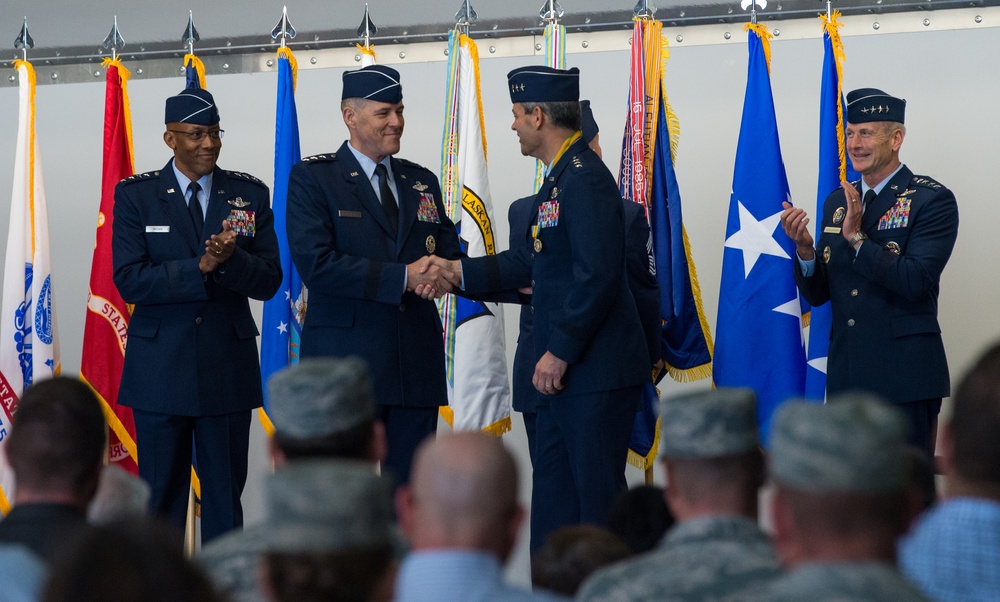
x=759, y=341
x=283, y=314
x=833, y=168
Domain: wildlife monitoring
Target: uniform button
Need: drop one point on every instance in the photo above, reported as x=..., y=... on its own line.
x=532, y=308
x=402, y=308
x=850, y=322
x=197, y=320
x=532, y=283
x=854, y=292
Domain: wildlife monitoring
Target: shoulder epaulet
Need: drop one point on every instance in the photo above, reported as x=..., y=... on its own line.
x=326, y=157
x=413, y=165
x=239, y=175
x=926, y=182
x=141, y=176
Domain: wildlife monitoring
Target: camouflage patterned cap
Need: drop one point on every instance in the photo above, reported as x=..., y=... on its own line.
x=709, y=424
x=853, y=443
x=320, y=396
x=327, y=505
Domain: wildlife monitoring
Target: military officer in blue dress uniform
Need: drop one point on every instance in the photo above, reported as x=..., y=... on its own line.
x=884, y=244
x=361, y=226
x=590, y=357
x=641, y=278
x=191, y=244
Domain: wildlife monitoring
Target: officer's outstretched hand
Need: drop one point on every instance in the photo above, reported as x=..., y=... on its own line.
x=430, y=277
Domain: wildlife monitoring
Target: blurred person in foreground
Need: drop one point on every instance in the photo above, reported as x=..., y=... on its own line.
x=953, y=552
x=56, y=450
x=571, y=554
x=841, y=500
x=328, y=533
x=320, y=408
x=716, y=550
x=461, y=516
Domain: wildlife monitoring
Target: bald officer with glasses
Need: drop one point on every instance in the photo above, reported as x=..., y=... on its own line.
x=191, y=244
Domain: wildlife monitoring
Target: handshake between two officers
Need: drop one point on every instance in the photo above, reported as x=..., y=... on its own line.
x=431, y=277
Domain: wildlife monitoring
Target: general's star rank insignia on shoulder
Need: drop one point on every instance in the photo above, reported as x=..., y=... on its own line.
x=242, y=222
x=427, y=211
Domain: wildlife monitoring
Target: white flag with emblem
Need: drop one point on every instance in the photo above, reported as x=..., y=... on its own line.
x=29, y=346
x=478, y=389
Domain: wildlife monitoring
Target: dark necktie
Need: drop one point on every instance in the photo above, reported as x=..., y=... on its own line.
x=194, y=207
x=388, y=200
x=869, y=197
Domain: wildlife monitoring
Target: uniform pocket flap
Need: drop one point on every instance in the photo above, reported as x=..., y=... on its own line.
x=918, y=324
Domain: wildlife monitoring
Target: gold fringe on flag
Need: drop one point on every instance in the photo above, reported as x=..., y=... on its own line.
x=765, y=39
x=199, y=67
x=831, y=26
x=123, y=76
x=370, y=51
x=286, y=52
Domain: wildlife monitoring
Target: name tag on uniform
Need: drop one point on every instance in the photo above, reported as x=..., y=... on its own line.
x=831, y=230
x=243, y=222
x=427, y=211
x=157, y=228
x=345, y=213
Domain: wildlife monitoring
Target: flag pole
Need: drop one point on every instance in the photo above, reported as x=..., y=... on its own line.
x=24, y=41
x=114, y=42
x=283, y=30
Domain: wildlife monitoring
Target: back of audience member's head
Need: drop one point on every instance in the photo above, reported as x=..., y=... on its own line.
x=325, y=408
x=328, y=532
x=640, y=517
x=120, y=495
x=710, y=449
x=841, y=476
x=462, y=494
x=571, y=554
x=971, y=435
x=127, y=561
x=57, y=442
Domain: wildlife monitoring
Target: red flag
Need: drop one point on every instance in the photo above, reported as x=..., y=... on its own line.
x=105, y=331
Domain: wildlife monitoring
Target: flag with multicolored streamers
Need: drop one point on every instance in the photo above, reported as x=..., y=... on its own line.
x=833, y=169
x=29, y=341
x=555, y=57
x=759, y=341
x=475, y=354
x=105, y=331
x=647, y=176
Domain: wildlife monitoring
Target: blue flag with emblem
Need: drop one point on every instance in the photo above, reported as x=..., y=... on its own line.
x=833, y=169
x=283, y=314
x=759, y=340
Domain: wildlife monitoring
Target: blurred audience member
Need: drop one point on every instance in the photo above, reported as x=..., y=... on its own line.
x=22, y=574
x=461, y=515
x=328, y=532
x=571, y=554
x=714, y=470
x=320, y=408
x=640, y=517
x=921, y=486
x=953, y=553
x=127, y=561
x=56, y=451
x=840, y=473
x=120, y=495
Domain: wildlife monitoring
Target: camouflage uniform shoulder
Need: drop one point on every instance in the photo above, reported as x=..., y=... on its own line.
x=139, y=177
x=239, y=175
x=320, y=158
x=926, y=182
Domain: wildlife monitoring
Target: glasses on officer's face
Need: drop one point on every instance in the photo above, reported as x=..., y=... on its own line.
x=199, y=135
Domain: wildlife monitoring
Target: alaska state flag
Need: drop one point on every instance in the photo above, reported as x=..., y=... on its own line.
x=759, y=340
x=285, y=313
x=833, y=168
